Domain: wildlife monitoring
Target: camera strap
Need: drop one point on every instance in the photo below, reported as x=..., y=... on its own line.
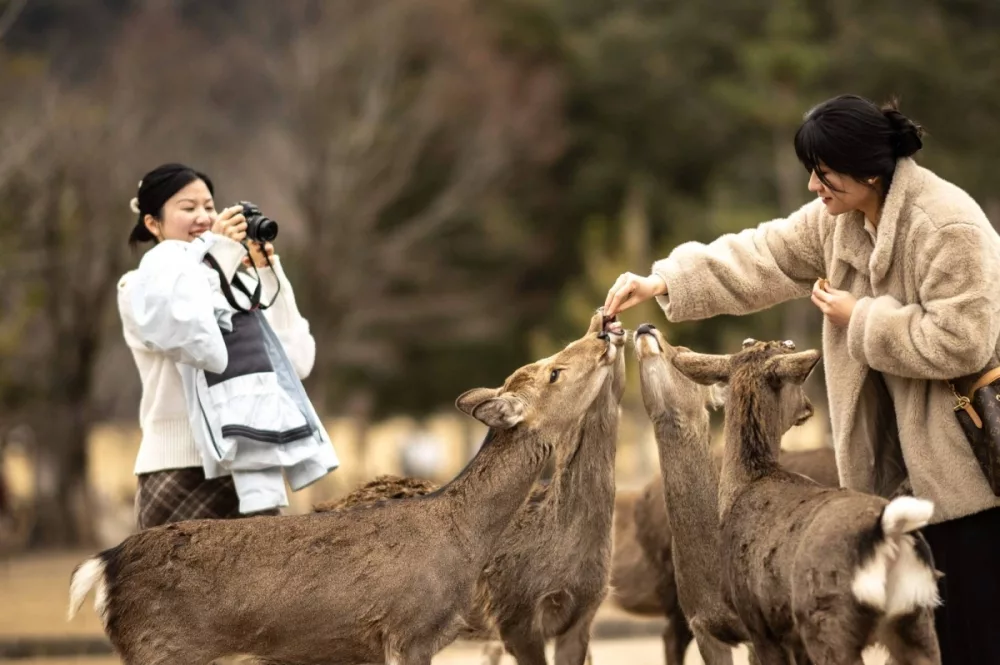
x=238, y=283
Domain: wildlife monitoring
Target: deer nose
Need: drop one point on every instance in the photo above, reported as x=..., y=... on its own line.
x=645, y=329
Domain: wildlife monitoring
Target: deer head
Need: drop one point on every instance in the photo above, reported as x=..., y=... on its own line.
x=663, y=385
x=769, y=368
x=553, y=391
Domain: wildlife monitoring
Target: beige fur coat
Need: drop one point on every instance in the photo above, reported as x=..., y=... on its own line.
x=928, y=291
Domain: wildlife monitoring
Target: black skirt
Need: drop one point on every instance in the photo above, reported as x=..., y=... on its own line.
x=185, y=494
x=967, y=551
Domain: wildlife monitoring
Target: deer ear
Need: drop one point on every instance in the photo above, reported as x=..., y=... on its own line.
x=793, y=367
x=470, y=399
x=491, y=407
x=703, y=368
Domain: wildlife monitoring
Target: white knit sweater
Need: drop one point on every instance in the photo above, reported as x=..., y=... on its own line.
x=167, y=442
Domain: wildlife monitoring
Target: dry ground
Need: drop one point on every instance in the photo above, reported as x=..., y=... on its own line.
x=33, y=594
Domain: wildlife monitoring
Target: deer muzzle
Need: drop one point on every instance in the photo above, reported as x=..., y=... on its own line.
x=647, y=343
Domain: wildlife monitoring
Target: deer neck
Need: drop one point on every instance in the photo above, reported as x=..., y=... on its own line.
x=691, y=492
x=485, y=496
x=584, y=483
x=690, y=477
x=753, y=434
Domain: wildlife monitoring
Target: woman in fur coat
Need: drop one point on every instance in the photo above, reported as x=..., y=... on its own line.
x=905, y=268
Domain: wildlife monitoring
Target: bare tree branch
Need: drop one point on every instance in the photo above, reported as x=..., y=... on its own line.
x=405, y=118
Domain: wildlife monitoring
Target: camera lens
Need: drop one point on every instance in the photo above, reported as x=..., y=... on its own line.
x=262, y=229
x=259, y=227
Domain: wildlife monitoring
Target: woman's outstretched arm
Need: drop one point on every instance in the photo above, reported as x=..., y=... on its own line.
x=739, y=273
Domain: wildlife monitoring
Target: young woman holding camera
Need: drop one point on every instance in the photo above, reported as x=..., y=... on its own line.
x=181, y=328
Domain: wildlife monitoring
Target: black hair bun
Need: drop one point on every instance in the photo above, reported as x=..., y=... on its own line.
x=906, y=134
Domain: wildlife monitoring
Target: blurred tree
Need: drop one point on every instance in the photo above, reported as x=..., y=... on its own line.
x=64, y=220
x=778, y=73
x=604, y=246
x=403, y=135
x=64, y=260
x=635, y=113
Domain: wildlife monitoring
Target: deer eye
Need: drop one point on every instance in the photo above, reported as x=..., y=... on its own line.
x=554, y=375
x=788, y=344
x=748, y=342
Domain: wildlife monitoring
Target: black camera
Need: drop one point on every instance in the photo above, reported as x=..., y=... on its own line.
x=259, y=227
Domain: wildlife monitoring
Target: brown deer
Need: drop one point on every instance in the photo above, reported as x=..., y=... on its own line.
x=643, y=580
x=812, y=572
x=392, y=582
x=551, y=568
x=679, y=411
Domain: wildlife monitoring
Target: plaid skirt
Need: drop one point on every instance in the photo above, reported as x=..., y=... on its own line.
x=185, y=494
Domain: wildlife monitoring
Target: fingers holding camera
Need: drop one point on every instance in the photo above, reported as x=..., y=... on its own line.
x=260, y=258
x=222, y=219
x=237, y=230
x=231, y=223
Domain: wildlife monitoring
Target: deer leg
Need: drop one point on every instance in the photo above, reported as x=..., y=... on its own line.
x=573, y=646
x=836, y=636
x=712, y=651
x=677, y=636
x=413, y=656
x=492, y=653
x=421, y=659
x=800, y=657
x=769, y=653
x=911, y=639
x=831, y=653
x=526, y=646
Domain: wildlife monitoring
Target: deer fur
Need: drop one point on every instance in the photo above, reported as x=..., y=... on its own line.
x=679, y=411
x=811, y=571
x=643, y=580
x=392, y=582
x=551, y=570
x=378, y=489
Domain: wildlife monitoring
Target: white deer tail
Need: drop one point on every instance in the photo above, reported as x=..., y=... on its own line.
x=896, y=575
x=87, y=576
x=905, y=514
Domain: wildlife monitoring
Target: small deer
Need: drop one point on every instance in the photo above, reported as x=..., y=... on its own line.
x=812, y=572
x=551, y=569
x=393, y=582
x=643, y=575
x=679, y=410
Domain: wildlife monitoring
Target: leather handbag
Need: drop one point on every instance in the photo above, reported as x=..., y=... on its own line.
x=979, y=415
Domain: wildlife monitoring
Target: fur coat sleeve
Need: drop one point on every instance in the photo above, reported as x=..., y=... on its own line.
x=745, y=272
x=951, y=331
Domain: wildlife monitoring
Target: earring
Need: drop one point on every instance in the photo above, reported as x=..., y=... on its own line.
x=871, y=181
